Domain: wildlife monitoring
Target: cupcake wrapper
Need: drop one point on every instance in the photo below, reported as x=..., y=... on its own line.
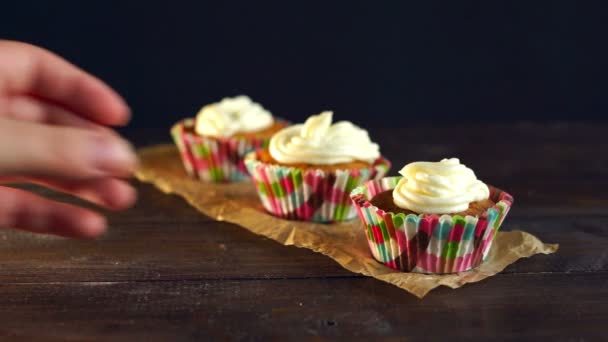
x=213, y=159
x=309, y=195
x=428, y=243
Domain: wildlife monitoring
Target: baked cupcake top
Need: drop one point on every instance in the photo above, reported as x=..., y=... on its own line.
x=231, y=116
x=318, y=142
x=444, y=187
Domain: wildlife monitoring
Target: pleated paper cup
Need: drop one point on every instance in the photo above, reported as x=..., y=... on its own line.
x=428, y=243
x=310, y=194
x=213, y=159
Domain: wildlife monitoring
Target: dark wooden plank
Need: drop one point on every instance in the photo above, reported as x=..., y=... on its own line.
x=532, y=306
x=583, y=244
x=164, y=271
x=161, y=238
x=164, y=238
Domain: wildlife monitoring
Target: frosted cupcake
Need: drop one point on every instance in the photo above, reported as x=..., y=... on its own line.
x=309, y=169
x=212, y=145
x=436, y=218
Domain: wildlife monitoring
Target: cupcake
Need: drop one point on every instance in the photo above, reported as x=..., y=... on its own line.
x=436, y=218
x=213, y=144
x=308, y=170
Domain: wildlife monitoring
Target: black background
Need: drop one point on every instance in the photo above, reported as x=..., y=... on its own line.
x=375, y=63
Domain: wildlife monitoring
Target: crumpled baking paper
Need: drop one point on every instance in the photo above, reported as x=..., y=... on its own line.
x=344, y=242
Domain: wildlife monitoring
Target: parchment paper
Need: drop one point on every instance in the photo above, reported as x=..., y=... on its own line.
x=344, y=242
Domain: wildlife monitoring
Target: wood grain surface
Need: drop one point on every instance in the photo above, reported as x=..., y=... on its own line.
x=166, y=272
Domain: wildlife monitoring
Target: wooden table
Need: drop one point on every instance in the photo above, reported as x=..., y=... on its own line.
x=165, y=271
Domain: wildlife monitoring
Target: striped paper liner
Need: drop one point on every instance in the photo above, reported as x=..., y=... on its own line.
x=213, y=159
x=311, y=194
x=428, y=243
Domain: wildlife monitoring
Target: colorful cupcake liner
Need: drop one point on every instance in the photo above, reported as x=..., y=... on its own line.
x=213, y=159
x=428, y=243
x=312, y=194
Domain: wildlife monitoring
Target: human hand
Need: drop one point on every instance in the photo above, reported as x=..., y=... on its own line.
x=54, y=121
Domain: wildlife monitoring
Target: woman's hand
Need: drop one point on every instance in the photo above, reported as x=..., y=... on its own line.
x=54, y=121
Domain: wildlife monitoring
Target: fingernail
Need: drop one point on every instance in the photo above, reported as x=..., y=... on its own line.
x=114, y=156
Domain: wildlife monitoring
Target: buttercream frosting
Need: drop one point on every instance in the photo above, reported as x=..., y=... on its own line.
x=319, y=142
x=443, y=187
x=231, y=116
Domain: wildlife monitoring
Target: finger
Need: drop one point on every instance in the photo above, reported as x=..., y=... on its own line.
x=111, y=193
x=28, y=69
x=42, y=151
x=26, y=108
x=23, y=210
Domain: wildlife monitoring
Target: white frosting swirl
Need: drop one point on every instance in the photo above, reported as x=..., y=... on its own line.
x=444, y=187
x=230, y=116
x=319, y=142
